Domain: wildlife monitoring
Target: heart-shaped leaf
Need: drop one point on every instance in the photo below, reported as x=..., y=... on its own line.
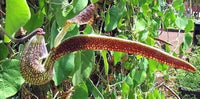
x=10, y=78
x=17, y=14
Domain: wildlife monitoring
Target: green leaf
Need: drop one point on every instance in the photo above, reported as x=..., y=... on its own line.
x=78, y=6
x=190, y=26
x=143, y=64
x=140, y=76
x=107, y=19
x=128, y=64
x=60, y=19
x=162, y=96
x=104, y=53
x=162, y=67
x=58, y=12
x=88, y=29
x=143, y=35
x=161, y=5
x=145, y=9
x=125, y=89
x=115, y=14
x=152, y=65
x=129, y=80
x=150, y=41
x=144, y=87
x=167, y=48
x=3, y=51
x=84, y=63
x=169, y=18
x=156, y=93
x=88, y=60
x=113, y=95
x=140, y=25
x=181, y=22
x=54, y=33
x=20, y=50
x=10, y=78
x=93, y=89
x=134, y=2
x=156, y=25
x=182, y=9
x=17, y=14
x=94, y=1
x=177, y=4
x=132, y=73
x=77, y=77
x=63, y=67
x=81, y=91
x=67, y=10
x=117, y=57
x=150, y=96
x=36, y=21
x=141, y=2
x=42, y=6
x=187, y=40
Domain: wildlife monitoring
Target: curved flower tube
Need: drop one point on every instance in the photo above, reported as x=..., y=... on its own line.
x=36, y=71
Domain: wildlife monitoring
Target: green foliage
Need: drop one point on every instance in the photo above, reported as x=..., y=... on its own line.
x=65, y=65
x=63, y=10
x=80, y=91
x=190, y=26
x=36, y=21
x=181, y=22
x=93, y=89
x=17, y=14
x=104, y=55
x=187, y=40
x=4, y=51
x=63, y=68
x=84, y=63
x=10, y=78
x=188, y=80
x=114, y=15
x=117, y=57
x=78, y=5
x=88, y=29
x=92, y=73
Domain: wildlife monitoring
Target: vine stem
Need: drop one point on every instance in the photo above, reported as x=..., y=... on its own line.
x=62, y=33
x=172, y=91
x=2, y=12
x=30, y=35
x=168, y=88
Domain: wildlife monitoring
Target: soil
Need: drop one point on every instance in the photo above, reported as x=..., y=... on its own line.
x=173, y=37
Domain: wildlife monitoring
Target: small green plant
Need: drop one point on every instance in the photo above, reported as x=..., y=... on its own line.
x=191, y=81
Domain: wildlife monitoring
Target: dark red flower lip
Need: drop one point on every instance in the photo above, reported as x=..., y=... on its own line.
x=40, y=31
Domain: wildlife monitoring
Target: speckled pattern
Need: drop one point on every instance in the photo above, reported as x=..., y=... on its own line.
x=31, y=66
x=85, y=16
x=86, y=42
x=36, y=73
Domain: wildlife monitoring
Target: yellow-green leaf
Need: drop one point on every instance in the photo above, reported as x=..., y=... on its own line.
x=17, y=14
